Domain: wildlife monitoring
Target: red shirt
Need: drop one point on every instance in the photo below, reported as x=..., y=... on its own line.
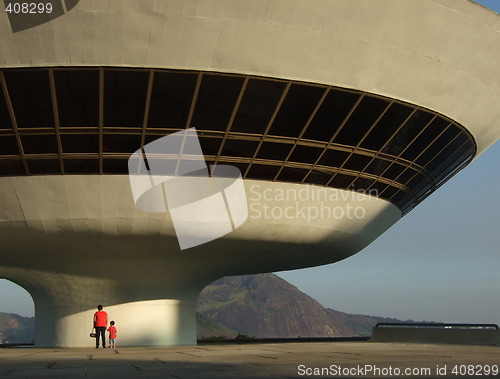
x=112, y=332
x=100, y=319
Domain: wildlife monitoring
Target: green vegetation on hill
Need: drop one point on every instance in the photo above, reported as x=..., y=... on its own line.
x=16, y=329
x=266, y=306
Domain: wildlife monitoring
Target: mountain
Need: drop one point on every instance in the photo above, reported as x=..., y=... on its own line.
x=16, y=329
x=266, y=306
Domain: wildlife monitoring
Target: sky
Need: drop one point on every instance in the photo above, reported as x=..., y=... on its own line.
x=441, y=262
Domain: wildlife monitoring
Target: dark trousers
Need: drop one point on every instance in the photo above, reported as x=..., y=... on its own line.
x=101, y=332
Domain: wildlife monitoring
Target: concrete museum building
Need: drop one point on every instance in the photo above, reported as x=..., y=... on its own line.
x=341, y=116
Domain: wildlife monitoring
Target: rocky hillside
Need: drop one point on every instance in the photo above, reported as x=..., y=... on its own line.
x=16, y=329
x=266, y=306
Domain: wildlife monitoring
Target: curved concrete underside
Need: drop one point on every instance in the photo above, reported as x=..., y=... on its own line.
x=75, y=241
x=439, y=54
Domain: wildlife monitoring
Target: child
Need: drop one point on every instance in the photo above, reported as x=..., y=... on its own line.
x=112, y=334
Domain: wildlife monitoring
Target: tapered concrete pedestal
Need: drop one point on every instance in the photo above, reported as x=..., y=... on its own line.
x=140, y=323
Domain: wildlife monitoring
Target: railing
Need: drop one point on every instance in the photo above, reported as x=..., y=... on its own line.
x=448, y=333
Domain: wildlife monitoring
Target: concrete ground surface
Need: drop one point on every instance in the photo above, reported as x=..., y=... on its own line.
x=279, y=360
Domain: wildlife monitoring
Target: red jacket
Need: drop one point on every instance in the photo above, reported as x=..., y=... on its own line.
x=100, y=319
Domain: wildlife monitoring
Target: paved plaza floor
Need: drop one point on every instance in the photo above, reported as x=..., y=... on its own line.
x=279, y=360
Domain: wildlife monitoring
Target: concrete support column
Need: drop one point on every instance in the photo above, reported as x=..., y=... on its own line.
x=148, y=310
x=142, y=323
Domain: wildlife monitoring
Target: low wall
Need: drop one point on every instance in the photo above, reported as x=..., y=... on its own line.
x=462, y=334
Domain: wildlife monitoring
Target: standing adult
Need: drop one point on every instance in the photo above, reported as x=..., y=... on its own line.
x=100, y=325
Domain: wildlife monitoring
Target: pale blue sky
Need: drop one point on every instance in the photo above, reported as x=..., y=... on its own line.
x=441, y=262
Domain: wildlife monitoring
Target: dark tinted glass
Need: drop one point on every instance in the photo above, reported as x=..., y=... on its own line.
x=408, y=205
x=31, y=99
x=406, y=175
x=357, y=162
x=210, y=146
x=296, y=110
x=5, y=122
x=115, y=166
x=240, y=166
x=263, y=172
x=153, y=137
x=362, y=184
x=377, y=166
x=386, y=127
x=216, y=101
x=364, y=116
x=77, y=94
x=39, y=144
x=431, y=150
x=393, y=171
x=289, y=174
x=125, y=97
x=171, y=99
x=333, y=158
x=342, y=181
x=453, y=169
x=452, y=161
x=258, y=105
x=44, y=166
x=305, y=154
x=11, y=167
x=407, y=133
x=80, y=143
x=425, y=139
x=274, y=151
x=121, y=143
x=389, y=192
x=330, y=115
x=318, y=177
x=8, y=145
x=399, y=198
x=416, y=180
x=81, y=166
x=239, y=148
x=377, y=188
x=454, y=145
x=421, y=187
x=437, y=146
